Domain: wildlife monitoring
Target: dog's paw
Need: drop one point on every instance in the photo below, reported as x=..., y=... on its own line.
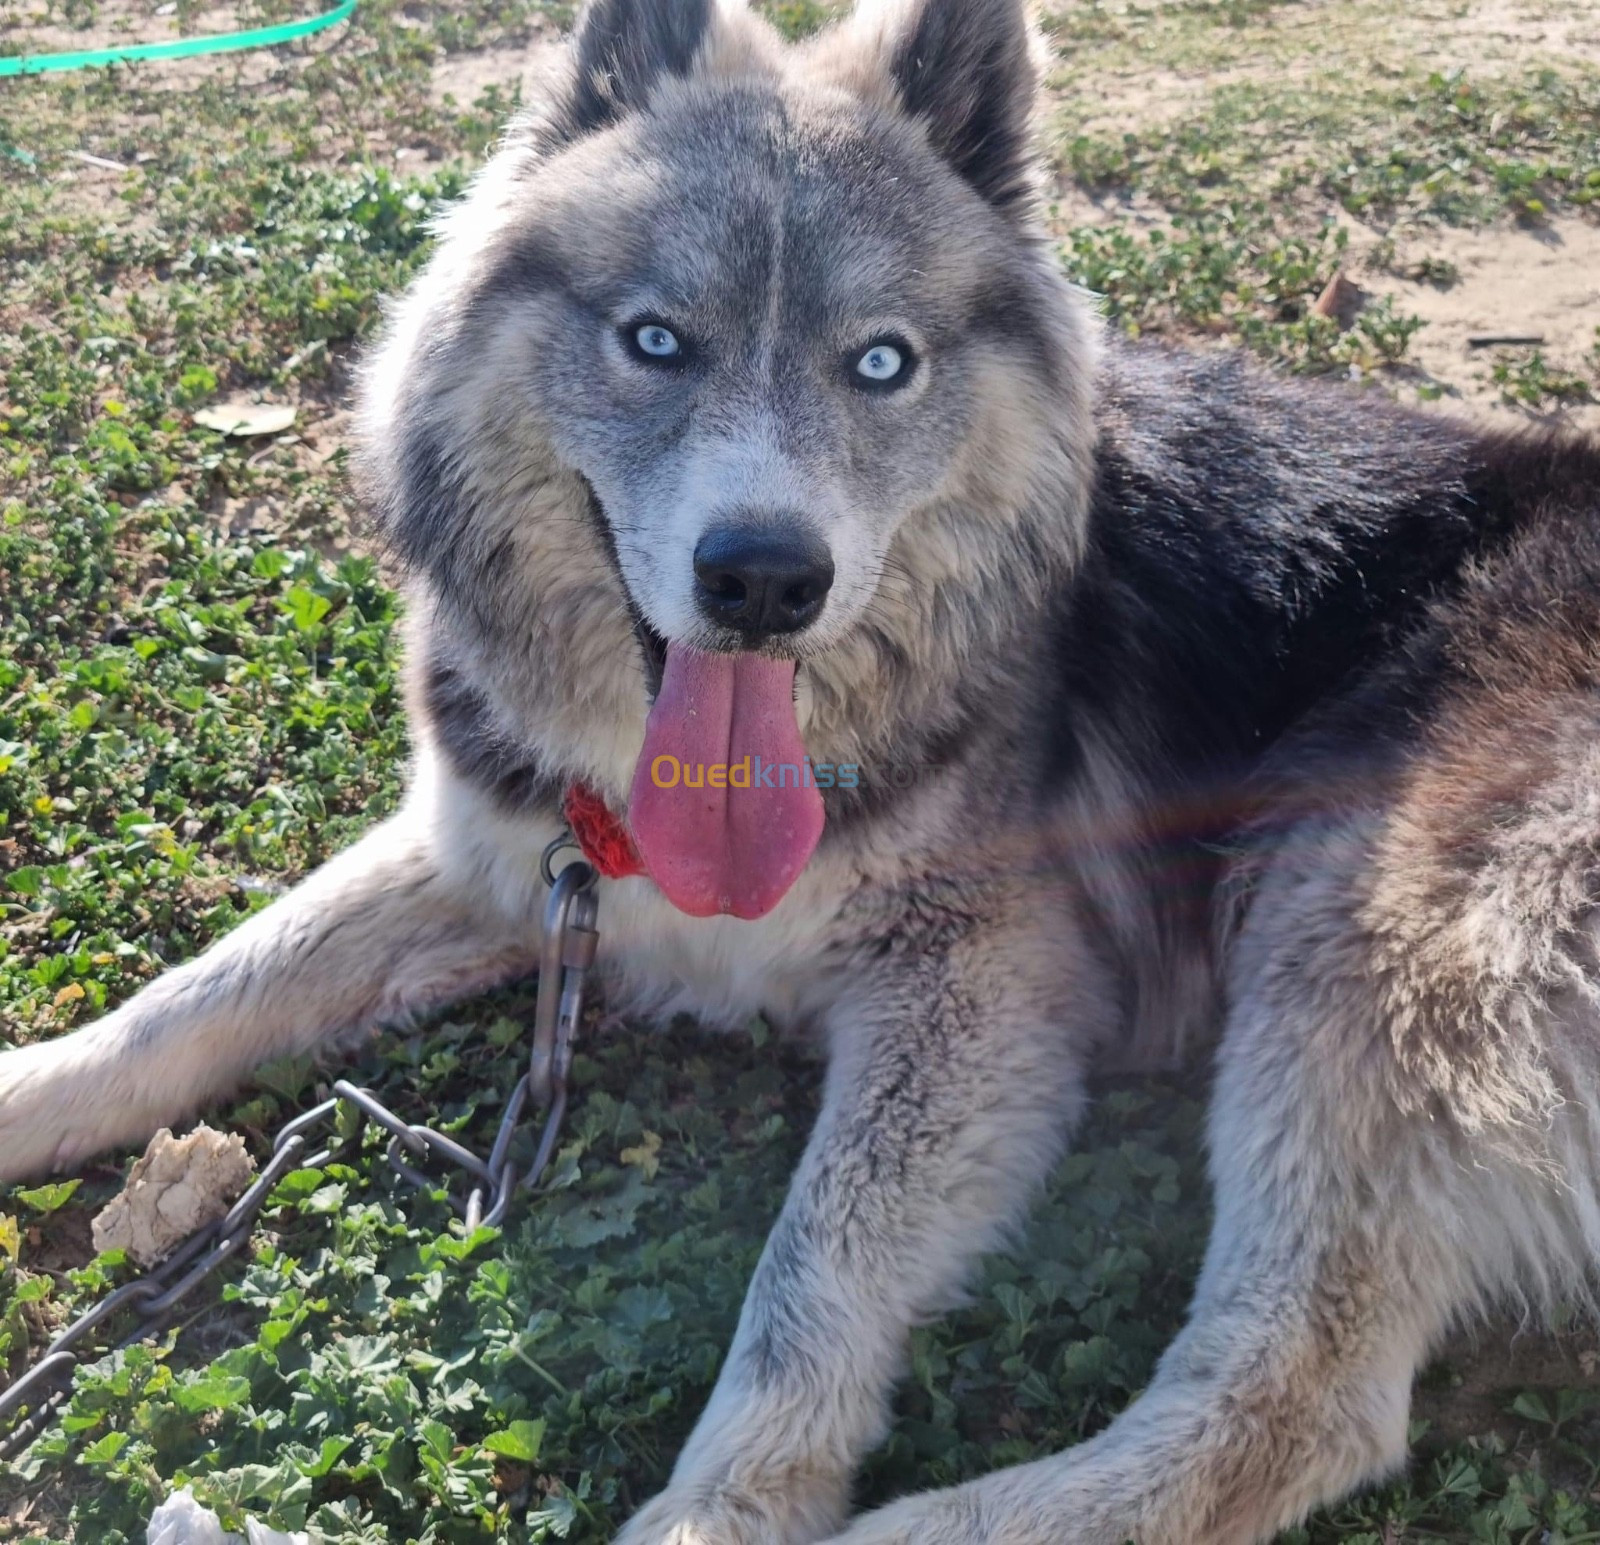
x=930, y=1518
x=37, y=1132
x=60, y=1102
x=1044, y=1503
x=726, y=1516
x=676, y=1519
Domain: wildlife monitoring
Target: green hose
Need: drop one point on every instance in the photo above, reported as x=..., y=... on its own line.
x=180, y=48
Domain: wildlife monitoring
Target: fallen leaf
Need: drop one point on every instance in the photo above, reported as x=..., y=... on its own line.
x=647, y=1156
x=245, y=419
x=1340, y=300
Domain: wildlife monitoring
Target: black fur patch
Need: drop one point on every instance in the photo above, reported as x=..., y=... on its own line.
x=1515, y=624
x=527, y=264
x=481, y=752
x=623, y=48
x=424, y=517
x=963, y=69
x=652, y=647
x=1254, y=546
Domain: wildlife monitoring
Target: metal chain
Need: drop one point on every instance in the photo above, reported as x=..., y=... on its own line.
x=568, y=951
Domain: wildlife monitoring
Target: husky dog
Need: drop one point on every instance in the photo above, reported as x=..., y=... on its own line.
x=743, y=423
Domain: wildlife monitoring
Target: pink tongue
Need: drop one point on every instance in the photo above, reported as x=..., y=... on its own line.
x=740, y=847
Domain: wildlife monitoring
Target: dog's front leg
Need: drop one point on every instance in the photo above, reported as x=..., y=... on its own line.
x=953, y=1080
x=389, y=926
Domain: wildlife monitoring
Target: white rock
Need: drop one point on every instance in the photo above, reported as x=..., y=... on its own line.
x=180, y=1520
x=181, y=1184
x=260, y=1534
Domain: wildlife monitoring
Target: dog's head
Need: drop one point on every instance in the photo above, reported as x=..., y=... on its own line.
x=782, y=311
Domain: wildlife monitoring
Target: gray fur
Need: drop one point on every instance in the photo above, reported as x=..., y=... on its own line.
x=1132, y=609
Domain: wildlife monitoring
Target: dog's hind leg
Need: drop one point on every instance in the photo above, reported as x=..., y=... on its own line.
x=1406, y=1128
x=402, y=920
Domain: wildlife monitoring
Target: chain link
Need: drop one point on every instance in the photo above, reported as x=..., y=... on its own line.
x=567, y=954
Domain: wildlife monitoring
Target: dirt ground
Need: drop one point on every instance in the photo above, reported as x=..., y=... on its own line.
x=1148, y=65
x=1538, y=282
x=1524, y=281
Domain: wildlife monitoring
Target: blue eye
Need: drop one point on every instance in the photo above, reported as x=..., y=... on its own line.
x=656, y=342
x=882, y=364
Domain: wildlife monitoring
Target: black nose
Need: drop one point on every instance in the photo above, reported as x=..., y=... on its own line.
x=762, y=579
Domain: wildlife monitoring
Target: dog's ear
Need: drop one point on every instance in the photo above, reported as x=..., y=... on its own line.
x=965, y=69
x=623, y=48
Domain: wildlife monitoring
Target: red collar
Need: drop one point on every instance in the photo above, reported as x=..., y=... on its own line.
x=601, y=833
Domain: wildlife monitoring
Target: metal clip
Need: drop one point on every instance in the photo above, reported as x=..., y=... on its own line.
x=567, y=952
x=570, y=940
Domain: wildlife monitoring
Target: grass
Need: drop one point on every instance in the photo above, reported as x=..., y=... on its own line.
x=1530, y=380
x=1257, y=195
x=198, y=703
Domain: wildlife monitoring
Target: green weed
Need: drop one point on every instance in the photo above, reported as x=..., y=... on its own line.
x=199, y=702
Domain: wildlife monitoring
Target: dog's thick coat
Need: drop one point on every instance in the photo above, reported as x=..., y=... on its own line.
x=1098, y=616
